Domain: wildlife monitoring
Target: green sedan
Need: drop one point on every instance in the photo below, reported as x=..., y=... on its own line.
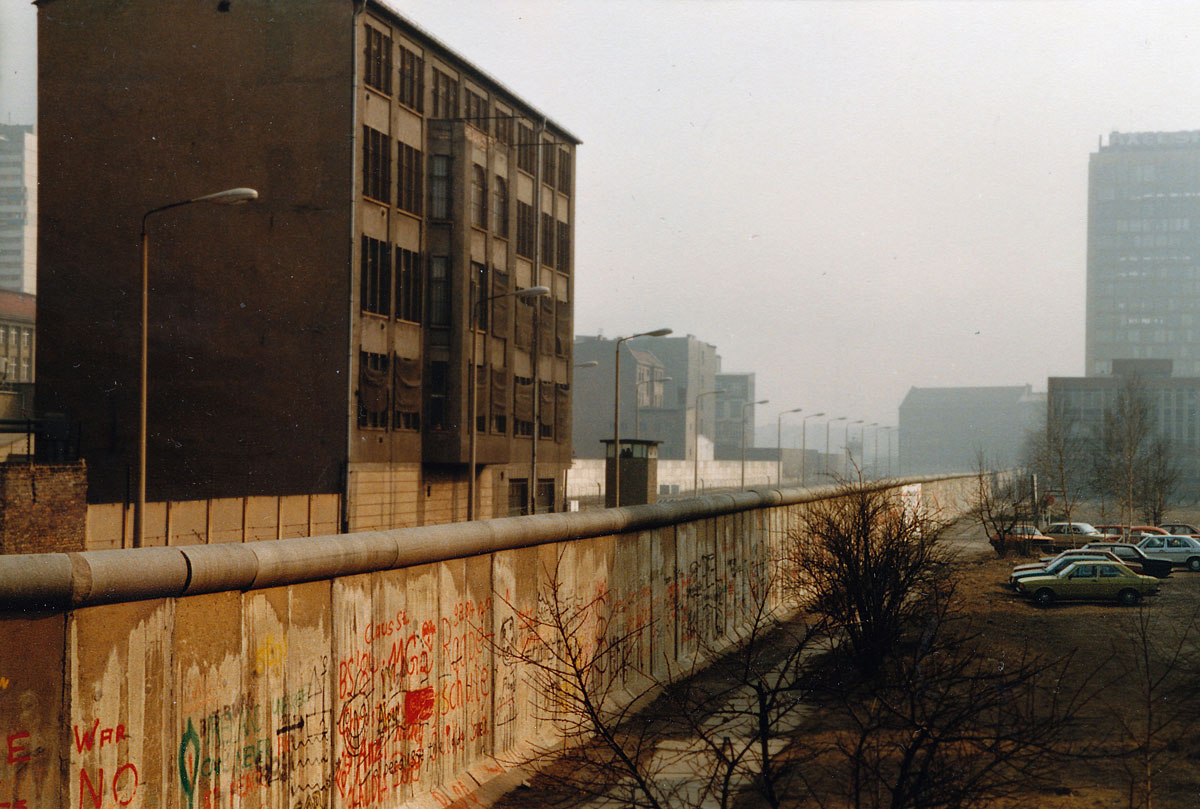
x=1091, y=580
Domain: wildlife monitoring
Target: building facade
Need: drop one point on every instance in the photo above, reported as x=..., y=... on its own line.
x=668, y=411
x=346, y=335
x=735, y=413
x=1143, y=258
x=946, y=429
x=18, y=208
x=1173, y=403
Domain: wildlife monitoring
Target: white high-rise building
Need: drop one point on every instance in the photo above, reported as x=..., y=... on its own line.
x=18, y=209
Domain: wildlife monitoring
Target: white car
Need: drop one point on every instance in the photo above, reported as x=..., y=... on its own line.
x=1175, y=548
x=1073, y=530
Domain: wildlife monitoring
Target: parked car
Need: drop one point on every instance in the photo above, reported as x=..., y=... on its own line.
x=1182, y=528
x=1019, y=537
x=1072, y=532
x=1130, y=533
x=1176, y=549
x=1068, y=553
x=1089, y=580
x=1057, y=563
x=1134, y=557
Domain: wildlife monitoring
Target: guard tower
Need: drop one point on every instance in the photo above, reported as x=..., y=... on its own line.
x=639, y=472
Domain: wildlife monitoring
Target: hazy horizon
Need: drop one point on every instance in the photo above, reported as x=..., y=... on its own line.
x=847, y=199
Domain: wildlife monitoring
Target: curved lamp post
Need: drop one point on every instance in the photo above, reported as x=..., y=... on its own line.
x=846, y=445
x=528, y=292
x=617, y=409
x=744, y=406
x=230, y=196
x=840, y=418
x=875, y=458
x=779, y=444
x=696, y=439
x=804, y=442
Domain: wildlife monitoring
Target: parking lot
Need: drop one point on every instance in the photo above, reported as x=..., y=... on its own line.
x=1099, y=637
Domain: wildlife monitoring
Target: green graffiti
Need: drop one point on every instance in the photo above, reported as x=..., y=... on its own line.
x=188, y=770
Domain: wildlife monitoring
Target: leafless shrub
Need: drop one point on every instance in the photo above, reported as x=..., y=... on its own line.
x=869, y=563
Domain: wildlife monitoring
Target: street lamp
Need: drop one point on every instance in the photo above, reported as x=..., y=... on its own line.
x=804, y=443
x=744, y=406
x=617, y=409
x=528, y=292
x=230, y=196
x=846, y=445
x=889, y=428
x=696, y=439
x=637, y=403
x=839, y=418
x=779, y=444
x=588, y=364
x=875, y=457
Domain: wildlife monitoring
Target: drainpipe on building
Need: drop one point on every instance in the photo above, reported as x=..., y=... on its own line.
x=537, y=317
x=351, y=352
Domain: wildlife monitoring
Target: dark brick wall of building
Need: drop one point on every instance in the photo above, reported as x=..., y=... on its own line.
x=43, y=508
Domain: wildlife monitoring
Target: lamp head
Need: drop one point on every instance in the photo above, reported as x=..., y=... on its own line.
x=532, y=292
x=230, y=196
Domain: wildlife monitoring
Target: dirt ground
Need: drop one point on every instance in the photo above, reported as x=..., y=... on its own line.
x=1090, y=632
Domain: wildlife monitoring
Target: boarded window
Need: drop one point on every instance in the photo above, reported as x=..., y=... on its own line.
x=406, y=398
x=372, y=390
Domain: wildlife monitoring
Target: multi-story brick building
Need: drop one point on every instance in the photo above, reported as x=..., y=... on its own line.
x=18, y=208
x=314, y=346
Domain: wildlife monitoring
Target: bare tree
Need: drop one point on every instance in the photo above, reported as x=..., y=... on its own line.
x=1002, y=501
x=1121, y=444
x=869, y=563
x=627, y=734
x=1058, y=454
x=1155, y=664
x=1158, y=481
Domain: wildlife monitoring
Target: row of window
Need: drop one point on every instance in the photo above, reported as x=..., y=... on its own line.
x=389, y=397
x=391, y=284
x=445, y=95
x=1155, y=240
x=377, y=70
x=377, y=171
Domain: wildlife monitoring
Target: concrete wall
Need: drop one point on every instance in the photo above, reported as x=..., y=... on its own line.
x=363, y=670
x=586, y=476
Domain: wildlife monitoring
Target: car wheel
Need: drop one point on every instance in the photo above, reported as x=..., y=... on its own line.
x=1129, y=598
x=1194, y=563
x=1044, y=597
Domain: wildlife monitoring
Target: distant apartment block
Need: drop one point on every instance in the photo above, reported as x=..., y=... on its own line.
x=946, y=429
x=673, y=399
x=18, y=208
x=318, y=345
x=735, y=413
x=1143, y=259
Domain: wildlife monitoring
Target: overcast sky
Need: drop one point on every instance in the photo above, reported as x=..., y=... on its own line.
x=848, y=199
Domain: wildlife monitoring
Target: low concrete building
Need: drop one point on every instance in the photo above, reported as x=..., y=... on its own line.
x=946, y=429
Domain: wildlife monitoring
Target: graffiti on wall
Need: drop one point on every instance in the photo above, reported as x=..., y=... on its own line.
x=228, y=752
x=413, y=695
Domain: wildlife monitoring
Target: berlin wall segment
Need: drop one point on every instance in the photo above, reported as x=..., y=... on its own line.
x=370, y=691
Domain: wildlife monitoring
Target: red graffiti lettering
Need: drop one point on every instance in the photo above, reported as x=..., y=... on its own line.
x=418, y=706
x=124, y=786
x=17, y=753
